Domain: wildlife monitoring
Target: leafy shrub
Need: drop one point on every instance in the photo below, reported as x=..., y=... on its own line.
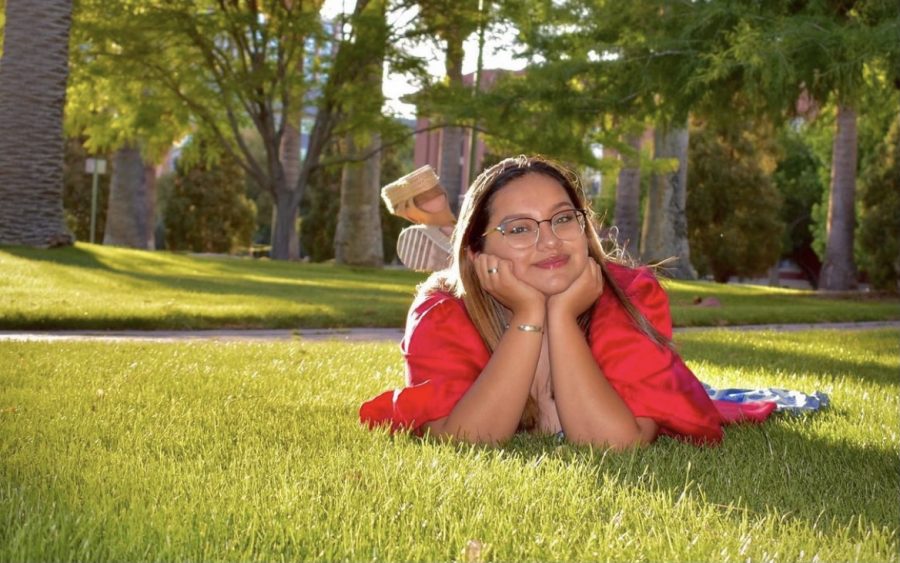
x=879, y=232
x=733, y=207
x=206, y=208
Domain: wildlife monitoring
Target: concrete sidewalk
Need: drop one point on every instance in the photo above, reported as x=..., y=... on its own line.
x=341, y=334
x=225, y=335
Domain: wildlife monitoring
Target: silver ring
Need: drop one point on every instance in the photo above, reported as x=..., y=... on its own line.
x=492, y=270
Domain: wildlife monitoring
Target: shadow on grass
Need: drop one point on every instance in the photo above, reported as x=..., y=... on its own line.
x=791, y=354
x=280, y=275
x=770, y=467
x=65, y=256
x=758, y=470
x=787, y=466
x=344, y=296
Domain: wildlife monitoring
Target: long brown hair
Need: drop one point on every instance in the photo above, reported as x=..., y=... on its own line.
x=461, y=280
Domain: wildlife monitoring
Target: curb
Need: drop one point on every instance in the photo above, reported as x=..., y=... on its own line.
x=341, y=334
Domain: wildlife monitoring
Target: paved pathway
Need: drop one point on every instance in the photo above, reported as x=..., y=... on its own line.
x=351, y=334
x=250, y=335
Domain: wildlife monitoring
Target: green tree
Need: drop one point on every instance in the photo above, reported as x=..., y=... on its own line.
x=33, y=71
x=320, y=208
x=733, y=206
x=206, y=209
x=833, y=52
x=723, y=61
x=452, y=21
x=797, y=177
x=599, y=59
x=114, y=106
x=319, y=213
x=233, y=65
x=880, y=218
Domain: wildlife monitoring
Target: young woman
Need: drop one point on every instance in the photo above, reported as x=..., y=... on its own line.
x=533, y=327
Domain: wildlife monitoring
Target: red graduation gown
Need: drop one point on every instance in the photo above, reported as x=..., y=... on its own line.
x=445, y=354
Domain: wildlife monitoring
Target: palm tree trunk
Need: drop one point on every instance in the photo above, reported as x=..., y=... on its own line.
x=665, y=221
x=130, y=217
x=33, y=74
x=451, y=168
x=358, y=238
x=290, y=161
x=838, y=268
x=628, y=198
x=289, y=151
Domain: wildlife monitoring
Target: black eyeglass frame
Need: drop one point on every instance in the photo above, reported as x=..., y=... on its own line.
x=500, y=228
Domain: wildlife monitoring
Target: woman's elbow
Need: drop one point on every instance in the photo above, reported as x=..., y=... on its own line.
x=625, y=441
x=643, y=433
x=633, y=440
x=492, y=437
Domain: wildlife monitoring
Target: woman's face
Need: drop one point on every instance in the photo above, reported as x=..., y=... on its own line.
x=552, y=264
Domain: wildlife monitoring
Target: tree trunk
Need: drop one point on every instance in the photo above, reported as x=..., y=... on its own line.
x=628, y=198
x=284, y=229
x=290, y=161
x=33, y=74
x=838, y=268
x=130, y=216
x=665, y=220
x=451, y=168
x=357, y=239
x=286, y=202
x=285, y=244
x=289, y=151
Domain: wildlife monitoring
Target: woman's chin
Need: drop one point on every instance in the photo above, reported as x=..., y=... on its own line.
x=553, y=285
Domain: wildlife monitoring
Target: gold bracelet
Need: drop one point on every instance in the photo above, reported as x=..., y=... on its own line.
x=531, y=328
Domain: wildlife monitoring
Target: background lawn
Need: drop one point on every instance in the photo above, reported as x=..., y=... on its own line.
x=239, y=452
x=92, y=286
x=97, y=287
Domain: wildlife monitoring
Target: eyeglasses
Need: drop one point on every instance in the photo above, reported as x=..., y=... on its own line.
x=525, y=232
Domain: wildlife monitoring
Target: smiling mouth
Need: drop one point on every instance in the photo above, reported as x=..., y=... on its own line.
x=553, y=262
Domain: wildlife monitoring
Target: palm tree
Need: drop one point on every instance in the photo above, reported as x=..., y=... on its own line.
x=33, y=74
x=132, y=195
x=628, y=197
x=838, y=268
x=665, y=222
x=358, y=236
x=453, y=21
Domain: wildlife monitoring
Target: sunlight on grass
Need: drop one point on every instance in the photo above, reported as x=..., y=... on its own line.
x=247, y=451
x=91, y=286
x=99, y=287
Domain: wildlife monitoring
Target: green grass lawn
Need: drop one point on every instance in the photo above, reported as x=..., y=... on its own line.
x=252, y=452
x=97, y=287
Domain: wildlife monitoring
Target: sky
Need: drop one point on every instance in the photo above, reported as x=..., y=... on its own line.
x=497, y=54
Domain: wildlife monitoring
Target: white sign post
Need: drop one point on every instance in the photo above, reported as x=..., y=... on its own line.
x=95, y=166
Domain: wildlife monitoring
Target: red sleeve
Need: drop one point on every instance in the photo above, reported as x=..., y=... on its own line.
x=444, y=355
x=652, y=380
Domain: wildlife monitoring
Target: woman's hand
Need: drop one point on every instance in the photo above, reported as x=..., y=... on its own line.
x=500, y=281
x=579, y=296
